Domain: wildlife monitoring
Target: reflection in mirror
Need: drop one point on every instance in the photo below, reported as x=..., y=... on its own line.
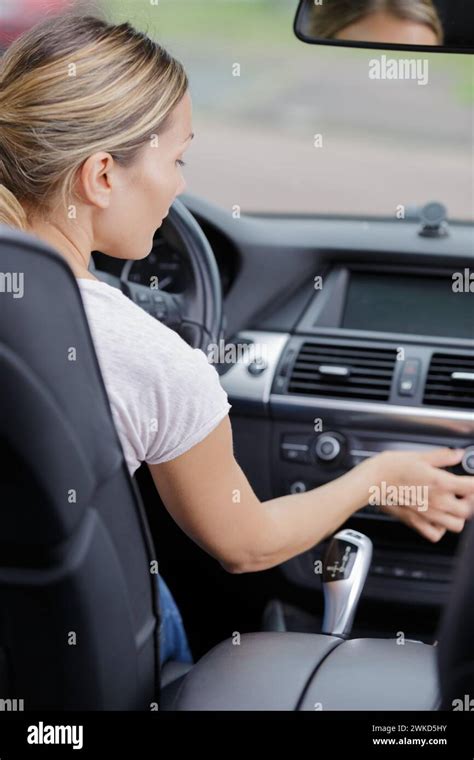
x=405, y=22
x=417, y=23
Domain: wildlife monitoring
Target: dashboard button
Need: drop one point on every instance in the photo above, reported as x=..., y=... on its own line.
x=327, y=448
x=408, y=381
x=257, y=367
x=299, y=486
x=407, y=387
x=294, y=452
x=142, y=297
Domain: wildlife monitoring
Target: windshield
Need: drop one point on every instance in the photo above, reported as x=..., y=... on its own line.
x=286, y=127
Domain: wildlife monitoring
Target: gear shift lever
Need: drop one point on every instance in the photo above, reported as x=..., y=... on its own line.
x=345, y=567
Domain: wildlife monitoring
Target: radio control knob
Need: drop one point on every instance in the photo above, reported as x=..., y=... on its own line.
x=327, y=448
x=468, y=460
x=298, y=487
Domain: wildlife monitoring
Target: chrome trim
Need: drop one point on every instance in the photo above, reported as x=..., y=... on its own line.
x=341, y=597
x=239, y=383
x=463, y=376
x=363, y=453
x=328, y=369
x=460, y=422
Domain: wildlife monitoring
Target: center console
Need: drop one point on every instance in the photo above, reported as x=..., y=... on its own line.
x=380, y=359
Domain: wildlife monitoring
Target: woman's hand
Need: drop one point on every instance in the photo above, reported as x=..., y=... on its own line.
x=413, y=487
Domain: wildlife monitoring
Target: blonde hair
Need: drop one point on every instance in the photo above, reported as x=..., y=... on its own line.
x=70, y=86
x=332, y=16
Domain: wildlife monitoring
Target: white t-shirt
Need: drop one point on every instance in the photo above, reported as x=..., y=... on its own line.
x=165, y=396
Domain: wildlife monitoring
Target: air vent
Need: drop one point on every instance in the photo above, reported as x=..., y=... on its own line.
x=450, y=381
x=349, y=371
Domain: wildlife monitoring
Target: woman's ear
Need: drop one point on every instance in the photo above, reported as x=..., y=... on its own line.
x=95, y=179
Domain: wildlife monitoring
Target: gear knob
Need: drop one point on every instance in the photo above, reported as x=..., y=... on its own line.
x=345, y=568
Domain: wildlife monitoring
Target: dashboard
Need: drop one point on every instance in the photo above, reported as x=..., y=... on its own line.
x=369, y=348
x=378, y=360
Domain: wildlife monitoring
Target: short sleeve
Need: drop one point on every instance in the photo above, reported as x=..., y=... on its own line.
x=165, y=396
x=188, y=406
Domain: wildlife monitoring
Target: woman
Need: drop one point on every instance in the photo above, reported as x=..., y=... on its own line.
x=396, y=22
x=94, y=123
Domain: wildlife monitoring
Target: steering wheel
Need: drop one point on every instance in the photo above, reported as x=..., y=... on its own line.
x=196, y=313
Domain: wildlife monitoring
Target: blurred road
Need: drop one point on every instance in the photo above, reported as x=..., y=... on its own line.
x=269, y=171
x=384, y=143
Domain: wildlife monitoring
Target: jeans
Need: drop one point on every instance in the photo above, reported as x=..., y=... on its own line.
x=173, y=640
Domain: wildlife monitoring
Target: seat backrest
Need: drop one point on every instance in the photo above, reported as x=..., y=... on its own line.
x=79, y=612
x=456, y=636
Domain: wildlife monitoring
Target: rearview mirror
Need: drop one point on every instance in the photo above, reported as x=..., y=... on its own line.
x=434, y=26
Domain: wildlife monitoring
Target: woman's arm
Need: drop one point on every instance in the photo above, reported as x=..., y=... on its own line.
x=209, y=497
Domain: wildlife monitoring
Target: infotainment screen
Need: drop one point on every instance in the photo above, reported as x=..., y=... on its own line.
x=403, y=303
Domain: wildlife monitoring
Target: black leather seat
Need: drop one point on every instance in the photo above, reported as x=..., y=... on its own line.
x=79, y=616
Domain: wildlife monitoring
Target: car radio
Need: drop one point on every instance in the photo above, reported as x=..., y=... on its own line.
x=308, y=460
